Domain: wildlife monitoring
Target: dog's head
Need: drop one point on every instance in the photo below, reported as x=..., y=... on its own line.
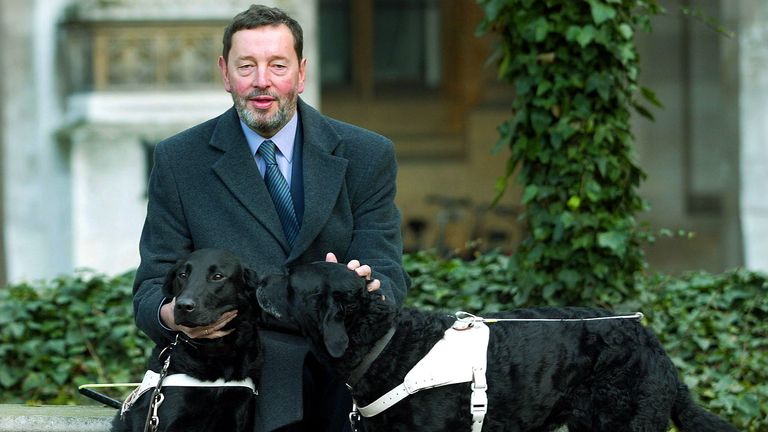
x=325, y=301
x=206, y=284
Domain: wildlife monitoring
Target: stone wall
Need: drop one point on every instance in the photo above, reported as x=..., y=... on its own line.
x=55, y=418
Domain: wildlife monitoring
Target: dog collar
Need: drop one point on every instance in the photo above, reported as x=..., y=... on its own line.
x=361, y=368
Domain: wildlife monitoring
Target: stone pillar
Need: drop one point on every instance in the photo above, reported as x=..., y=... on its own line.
x=752, y=37
x=35, y=180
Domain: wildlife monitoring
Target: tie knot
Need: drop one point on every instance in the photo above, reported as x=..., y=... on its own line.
x=267, y=151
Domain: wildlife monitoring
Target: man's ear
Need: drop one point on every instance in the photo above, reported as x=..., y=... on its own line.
x=334, y=332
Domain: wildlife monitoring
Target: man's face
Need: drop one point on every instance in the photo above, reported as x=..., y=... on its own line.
x=264, y=76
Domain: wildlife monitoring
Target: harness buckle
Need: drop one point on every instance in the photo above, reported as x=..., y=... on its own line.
x=479, y=399
x=478, y=403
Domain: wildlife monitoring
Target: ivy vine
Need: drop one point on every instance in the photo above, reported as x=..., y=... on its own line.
x=574, y=67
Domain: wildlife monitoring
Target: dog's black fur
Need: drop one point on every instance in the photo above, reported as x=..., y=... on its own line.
x=605, y=375
x=206, y=284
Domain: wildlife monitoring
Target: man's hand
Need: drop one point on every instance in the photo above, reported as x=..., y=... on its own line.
x=211, y=331
x=364, y=271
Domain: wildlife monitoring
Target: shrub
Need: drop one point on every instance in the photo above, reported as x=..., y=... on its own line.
x=59, y=334
x=713, y=327
x=56, y=335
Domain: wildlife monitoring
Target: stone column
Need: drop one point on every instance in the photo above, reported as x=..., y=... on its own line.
x=35, y=182
x=753, y=128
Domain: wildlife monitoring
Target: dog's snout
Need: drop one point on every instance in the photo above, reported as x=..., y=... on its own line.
x=185, y=305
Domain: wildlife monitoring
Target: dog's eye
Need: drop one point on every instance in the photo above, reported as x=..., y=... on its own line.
x=217, y=277
x=181, y=275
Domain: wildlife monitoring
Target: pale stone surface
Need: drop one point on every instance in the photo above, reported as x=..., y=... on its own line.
x=753, y=45
x=55, y=418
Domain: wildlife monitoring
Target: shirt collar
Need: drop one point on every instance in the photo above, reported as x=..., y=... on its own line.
x=283, y=139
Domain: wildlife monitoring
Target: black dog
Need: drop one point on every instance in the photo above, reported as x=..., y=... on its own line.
x=206, y=284
x=590, y=375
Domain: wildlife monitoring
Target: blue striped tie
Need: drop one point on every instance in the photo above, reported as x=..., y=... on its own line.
x=281, y=193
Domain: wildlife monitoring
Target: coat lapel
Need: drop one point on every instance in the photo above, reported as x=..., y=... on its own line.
x=238, y=171
x=324, y=176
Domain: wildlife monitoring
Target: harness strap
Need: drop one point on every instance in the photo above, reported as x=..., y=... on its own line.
x=152, y=378
x=478, y=400
x=461, y=356
x=387, y=400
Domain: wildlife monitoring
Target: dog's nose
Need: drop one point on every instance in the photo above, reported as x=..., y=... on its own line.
x=185, y=305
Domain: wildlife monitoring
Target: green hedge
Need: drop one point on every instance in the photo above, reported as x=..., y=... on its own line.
x=56, y=335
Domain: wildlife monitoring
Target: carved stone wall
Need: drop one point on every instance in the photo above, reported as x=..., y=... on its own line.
x=136, y=72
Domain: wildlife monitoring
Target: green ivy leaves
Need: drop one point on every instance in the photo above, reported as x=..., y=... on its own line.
x=573, y=65
x=713, y=326
x=602, y=12
x=58, y=334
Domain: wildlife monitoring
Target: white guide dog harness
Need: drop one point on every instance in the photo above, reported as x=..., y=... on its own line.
x=151, y=379
x=460, y=356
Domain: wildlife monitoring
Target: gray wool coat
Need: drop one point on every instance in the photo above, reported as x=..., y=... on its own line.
x=206, y=191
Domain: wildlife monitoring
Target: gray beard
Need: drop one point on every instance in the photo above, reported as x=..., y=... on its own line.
x=262, y=124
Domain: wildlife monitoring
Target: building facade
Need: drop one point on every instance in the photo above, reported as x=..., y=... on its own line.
x=89, y=86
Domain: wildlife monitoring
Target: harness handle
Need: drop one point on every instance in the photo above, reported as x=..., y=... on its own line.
x=466, y=318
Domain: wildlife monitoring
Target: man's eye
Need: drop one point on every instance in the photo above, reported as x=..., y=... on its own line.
x=181, y=275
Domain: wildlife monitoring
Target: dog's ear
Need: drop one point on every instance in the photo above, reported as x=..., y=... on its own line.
x=169, y=284
x=250, y=278
x=334, y=332
x=272, y=294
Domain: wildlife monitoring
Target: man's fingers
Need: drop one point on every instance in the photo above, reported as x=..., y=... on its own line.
x=373, y=285
x=364, y=271
x=225, y=318
x=218, y=334
x=331, y=257
x=214, y=330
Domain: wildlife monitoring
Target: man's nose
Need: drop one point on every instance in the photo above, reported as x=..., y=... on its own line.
x=261, y=78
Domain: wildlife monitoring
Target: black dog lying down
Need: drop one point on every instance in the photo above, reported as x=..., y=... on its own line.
x=206, y=284
x=597, y=375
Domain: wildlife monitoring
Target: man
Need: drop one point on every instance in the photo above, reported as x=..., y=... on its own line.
x=211, y=186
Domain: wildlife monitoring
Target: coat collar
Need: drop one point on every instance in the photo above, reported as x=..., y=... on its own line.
x=323, y=175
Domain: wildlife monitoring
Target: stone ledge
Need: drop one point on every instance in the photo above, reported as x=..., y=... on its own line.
x=55, y=418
